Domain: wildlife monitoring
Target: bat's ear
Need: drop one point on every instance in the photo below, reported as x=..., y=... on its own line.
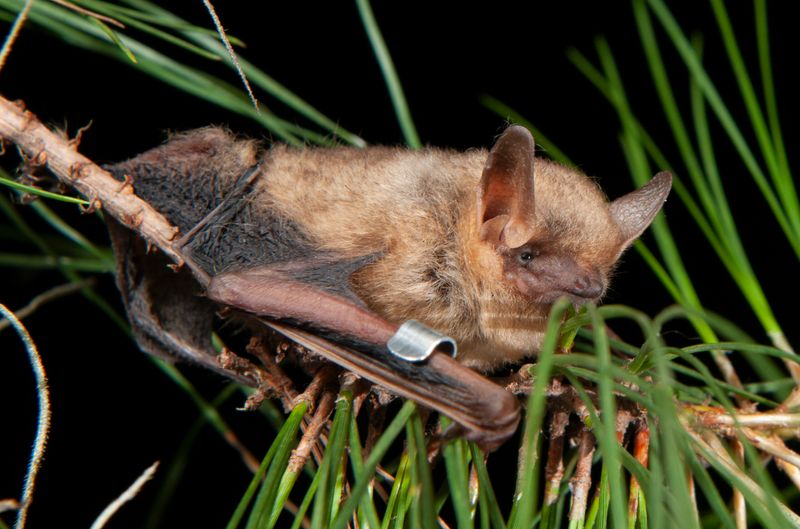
x=505, y=193
x=634, y=212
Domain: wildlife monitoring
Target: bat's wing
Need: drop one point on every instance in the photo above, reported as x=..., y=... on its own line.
x=487, y=412
x=484, y=411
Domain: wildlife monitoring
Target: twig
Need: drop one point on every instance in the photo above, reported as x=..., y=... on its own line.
x=773, y=446
x=731, y=425
x=623, y=421
x=718, y=418
x=43, y=425
x=46, y=297
x=791, y=471
x=641, y=451
x=582, y=479
x=738, y=503
x=321, y=380
x=710, y=448
x=554, y=470
x=125, y=497
x=310, y=437
x=22, y=16
x=274, y=375
x=98, y=186
x=319, y=384
x=359, y=387
x=792, y=401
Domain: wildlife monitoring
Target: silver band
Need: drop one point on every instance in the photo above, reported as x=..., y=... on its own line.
x=415, y=342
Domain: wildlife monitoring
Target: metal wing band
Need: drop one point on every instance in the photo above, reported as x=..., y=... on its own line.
x=415, y=342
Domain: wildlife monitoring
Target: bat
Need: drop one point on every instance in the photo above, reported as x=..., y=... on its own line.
x=414, y=269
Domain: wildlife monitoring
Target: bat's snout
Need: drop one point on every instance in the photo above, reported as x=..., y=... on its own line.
x=588, y=287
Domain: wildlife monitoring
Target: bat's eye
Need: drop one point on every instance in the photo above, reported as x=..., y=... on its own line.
x=525, y=257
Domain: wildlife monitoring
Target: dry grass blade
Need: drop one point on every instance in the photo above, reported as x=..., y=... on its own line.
x=89, y=13
x=125, y=497
x=231, y=53
x=8, y=505
x=14, y=32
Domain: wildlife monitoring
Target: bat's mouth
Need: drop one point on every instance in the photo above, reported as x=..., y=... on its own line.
x=578, y=295
x=588, y=292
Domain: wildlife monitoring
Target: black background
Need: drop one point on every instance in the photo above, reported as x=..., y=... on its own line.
x=114, y=413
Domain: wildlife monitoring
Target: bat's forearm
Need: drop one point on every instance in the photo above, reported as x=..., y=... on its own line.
x=270, y=293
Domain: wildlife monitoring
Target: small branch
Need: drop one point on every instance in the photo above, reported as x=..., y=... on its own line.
x=791, y=471
x=43, y=425
x=554, y=470
x=230, y=361
x=273, y=375
x=711, y=448
x=581, y=482
x=321, y=380
x=772, y=446
x=125, y=497
x=718, y=418
x=641, y=451
x=739, y=505
x=310, y=437
x=98, y=186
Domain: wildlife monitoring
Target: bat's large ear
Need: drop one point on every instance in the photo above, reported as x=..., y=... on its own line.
x=505, y=193
x=634, y=212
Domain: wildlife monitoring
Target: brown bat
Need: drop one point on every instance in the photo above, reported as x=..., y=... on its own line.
x=379, y=259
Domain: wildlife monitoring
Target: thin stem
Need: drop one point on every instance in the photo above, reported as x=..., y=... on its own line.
x=43, y=423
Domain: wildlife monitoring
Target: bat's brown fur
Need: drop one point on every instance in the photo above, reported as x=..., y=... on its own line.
x=419, y=214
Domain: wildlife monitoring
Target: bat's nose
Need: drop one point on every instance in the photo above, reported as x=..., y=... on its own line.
x=588, y=287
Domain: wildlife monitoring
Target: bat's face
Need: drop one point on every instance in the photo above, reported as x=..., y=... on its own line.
x=546, y=231
x=574, y=240
x=550, y=228
x=542, y=275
